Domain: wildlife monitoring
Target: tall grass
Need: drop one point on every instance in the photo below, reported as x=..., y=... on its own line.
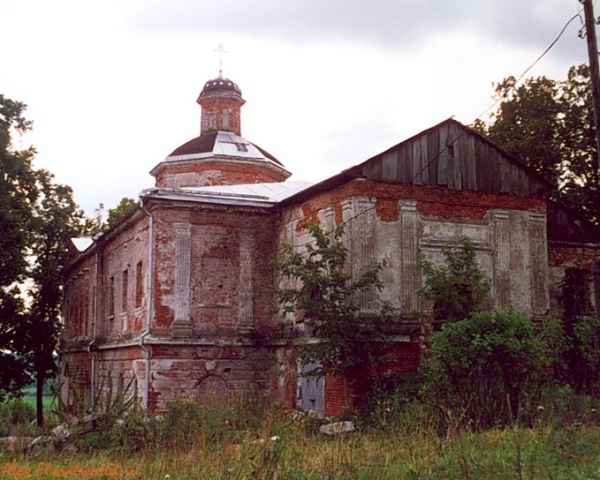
x=253, y=440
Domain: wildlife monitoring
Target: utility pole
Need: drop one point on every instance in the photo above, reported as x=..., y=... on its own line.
x=592, y=45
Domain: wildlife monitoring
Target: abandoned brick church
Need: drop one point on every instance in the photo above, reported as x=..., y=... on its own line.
x=176, y=299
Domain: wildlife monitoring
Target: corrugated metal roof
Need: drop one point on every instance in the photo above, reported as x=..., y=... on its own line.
x=256, y=194
x=274, y=192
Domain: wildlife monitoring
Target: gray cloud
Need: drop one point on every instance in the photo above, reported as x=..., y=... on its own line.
x=385, y=24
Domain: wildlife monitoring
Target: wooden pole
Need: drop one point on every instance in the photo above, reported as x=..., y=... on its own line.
x=592, y=45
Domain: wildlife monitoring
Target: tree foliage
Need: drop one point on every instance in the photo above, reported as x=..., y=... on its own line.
x=549, y=125
x=97, y=224
x=56, y=219
x=459, y=287
x=37, y=218
x=18, y=193
x=344, y=340
x=115, y=214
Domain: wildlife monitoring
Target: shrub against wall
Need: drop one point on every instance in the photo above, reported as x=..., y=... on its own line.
x=457, y=288
x=485, y=369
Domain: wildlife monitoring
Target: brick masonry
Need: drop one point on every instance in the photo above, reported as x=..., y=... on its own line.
x=185, y=173
x=176, y=301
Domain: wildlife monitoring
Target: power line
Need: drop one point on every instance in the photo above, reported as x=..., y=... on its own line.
x=435, y=157
x=577, y=15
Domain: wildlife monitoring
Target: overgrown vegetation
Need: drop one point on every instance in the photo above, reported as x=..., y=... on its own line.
x=38, y=217
x=242, y=442
x=485, y=370
x=496, y=399
x=344, y=341
x=576, y=346
x=458, y=287
x=15, y=417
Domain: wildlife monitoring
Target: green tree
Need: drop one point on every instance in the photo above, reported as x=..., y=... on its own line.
x=549, y=125
x=125, y=206
x=18, y=193
x=56, y=219
x=97, y=224
x=37, y=218
x=344, y=340
x=459, y=287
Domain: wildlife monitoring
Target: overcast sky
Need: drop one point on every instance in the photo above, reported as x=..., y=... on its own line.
x=111, y=85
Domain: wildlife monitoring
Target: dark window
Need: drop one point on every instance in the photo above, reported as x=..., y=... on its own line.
x=111, y=297
x=139, y=285
x=574, y=296
x=124, y=290
x=596, y=272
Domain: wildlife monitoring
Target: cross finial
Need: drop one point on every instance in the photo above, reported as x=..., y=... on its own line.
x=221, y=50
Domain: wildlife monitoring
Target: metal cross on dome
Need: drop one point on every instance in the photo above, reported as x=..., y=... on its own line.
x=221, y=50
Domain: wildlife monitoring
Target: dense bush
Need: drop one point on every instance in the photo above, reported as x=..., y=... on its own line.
x=574, y=344
x=459, y=287
x=485, y=369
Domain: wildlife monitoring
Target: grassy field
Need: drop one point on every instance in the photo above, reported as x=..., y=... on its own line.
x=193, y=444
x=29, y=398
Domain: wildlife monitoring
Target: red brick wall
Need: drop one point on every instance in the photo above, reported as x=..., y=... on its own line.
x=215, y=267
x=120, y=371
x=120, y=254
x=121, y=308
x=215, y=107
x=562, y=255
x=435, y=203
x=221, y=173
x=403, y=358
x=78, y=302
x=440, y=202
x=335, y=399
x=284, y=376
x=75, y=371
x=196, y=372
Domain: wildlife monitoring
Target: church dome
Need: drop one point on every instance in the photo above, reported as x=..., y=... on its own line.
x=220, y=86
x=220, y=155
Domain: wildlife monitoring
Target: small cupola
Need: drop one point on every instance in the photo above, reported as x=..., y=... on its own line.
x=221, y=101
x=219, y=155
